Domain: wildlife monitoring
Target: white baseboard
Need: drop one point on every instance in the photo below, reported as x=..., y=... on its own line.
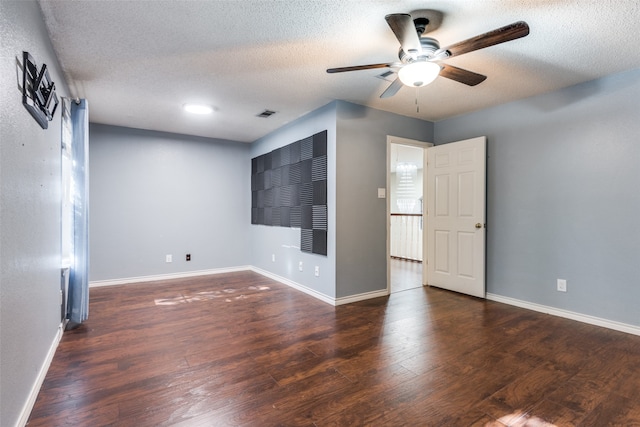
x=170, y=276
x=295, y=285
x=361, y=297
x=33, y=395
x=584, y=318
x=318, y=295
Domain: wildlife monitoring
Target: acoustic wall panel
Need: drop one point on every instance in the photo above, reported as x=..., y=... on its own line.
x=319, y=241
x=306, y=194
x=289, y=189
x=319, y=190
x=319, y=168
x=306, y=240
x=285, y=217
x=307, y=217
x=295, y=217
x=306, y=147
x=319, y=217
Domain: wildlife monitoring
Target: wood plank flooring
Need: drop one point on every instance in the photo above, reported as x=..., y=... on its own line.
x=242, y=350
x=404, y=275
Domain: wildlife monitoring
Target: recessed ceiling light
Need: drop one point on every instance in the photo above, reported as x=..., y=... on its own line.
x=198, y=108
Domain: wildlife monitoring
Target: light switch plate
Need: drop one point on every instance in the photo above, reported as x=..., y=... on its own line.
x=382, y=193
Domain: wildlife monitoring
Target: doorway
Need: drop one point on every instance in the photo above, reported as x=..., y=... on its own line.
x=405, y=206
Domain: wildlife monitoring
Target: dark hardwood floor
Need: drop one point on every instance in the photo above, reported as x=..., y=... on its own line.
x=404, y=274
x=241, y=349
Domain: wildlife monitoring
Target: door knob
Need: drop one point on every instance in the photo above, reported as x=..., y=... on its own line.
x=478, y=225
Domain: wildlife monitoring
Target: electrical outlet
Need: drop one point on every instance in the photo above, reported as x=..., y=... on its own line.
x=317, y=271
x=188, y=257
x=273, y=257
x=300, y=266
x=562, y=285
x=168, y=258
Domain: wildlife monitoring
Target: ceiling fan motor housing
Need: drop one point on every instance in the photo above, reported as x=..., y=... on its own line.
x=429, y=47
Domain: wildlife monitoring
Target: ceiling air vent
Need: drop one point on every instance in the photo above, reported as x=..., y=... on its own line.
x=266, y=113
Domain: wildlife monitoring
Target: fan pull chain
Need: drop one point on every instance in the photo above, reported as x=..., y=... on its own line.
x=417, y=104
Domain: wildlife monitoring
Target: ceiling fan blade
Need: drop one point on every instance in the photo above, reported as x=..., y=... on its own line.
x=359, y=67
x=405, y=30
x=392, y=89
x=460, y=75
x=504, y=34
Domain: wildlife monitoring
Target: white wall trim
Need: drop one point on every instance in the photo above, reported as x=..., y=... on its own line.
x=170, y=276
x=33, y=394
x=584, y=318
x=295, y=285
x=320, y=296
x=361, y=297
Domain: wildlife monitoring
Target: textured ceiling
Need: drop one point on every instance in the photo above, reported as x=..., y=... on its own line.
x=138, y=62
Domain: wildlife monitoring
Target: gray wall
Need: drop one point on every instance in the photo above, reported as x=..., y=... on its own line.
x=563, y=197
x=155, y=193
x=284, y=242
x=361, y=264
x=29, y=214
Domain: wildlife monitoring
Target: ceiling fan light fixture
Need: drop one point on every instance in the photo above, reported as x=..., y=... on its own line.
x=198, y=108
x=419, y=73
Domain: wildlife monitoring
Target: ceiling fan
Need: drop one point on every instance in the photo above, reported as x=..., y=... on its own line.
x=420, y=56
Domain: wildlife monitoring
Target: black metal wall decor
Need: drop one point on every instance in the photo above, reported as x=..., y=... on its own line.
x=289, y=189
x=38, y=91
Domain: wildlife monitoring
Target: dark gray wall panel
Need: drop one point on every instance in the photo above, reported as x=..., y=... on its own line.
x=294, y=175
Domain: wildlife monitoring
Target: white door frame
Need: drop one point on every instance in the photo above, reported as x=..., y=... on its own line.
x=414, y=143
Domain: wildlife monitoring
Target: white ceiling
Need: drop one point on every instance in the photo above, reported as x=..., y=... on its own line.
x=138, y=62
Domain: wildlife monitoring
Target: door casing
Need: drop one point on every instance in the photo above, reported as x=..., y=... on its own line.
x=414, y=143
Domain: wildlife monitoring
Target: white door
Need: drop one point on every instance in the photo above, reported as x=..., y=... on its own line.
x=456, y=216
